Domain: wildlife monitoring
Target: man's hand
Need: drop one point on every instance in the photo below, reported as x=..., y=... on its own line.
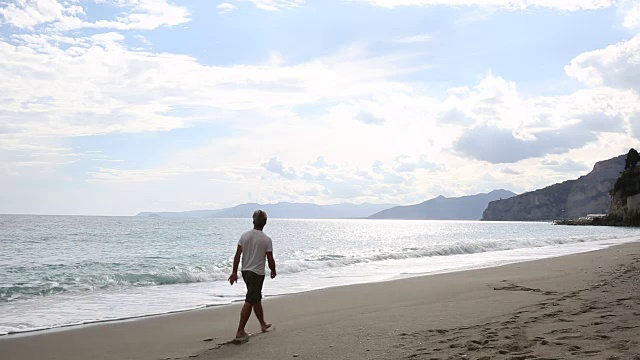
x=233, y=278
x=236, y=262
x=272, y=264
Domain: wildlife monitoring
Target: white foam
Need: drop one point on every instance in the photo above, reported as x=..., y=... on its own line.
x=60, y=277
x=73, y=310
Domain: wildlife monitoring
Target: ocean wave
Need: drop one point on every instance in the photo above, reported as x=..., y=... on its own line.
x=17, y=292
x=51, y=280
x=455, y=248
x=57, y=279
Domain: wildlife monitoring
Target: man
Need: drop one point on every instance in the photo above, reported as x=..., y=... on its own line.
x=254, y=246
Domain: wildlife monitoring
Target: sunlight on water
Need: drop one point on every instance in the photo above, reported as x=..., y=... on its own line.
x=59, y=271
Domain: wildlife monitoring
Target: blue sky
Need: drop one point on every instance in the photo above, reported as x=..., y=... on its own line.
x=111, y=107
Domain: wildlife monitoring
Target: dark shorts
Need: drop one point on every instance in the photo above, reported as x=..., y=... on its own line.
x=254, y=286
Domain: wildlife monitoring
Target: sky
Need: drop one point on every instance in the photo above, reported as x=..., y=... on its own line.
x=112, y=107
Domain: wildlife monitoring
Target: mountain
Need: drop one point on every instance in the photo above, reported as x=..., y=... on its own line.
x=283, y=210
x=571, y=199
x=442, y=208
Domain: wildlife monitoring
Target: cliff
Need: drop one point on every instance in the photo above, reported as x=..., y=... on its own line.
x=624, y=209
x=588, y=194
x=442, y=208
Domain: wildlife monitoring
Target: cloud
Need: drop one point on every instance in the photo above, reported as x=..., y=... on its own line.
x=343, y=190
x=313, y=192
x=275, y=5
x=406, y=164
x=563, y=5
x=363, y=174
x=108, y=160
x=134, y=91
x=369, y=118
x=615, y=66
x=494, y=91
x=387, y=176
x=376, y=167
x=27, y=14
x=496, y=145
x=321, y=177
x=275, y=166
x=550, y=162
x=34, y=157
x=319, y=163
x=510, y=171
x=635, y=125
x=415, y=39
x=137, y=175
x=225, y=8
x=60, y=85
x=632, y=16
x=565, y=166
x=454, y=116
x=603, y=123
x=232, y=174
x=502, y=126
x=393, y=179
x=143, y=40
x=205, y=204
x=137, y=14
x=341, y=182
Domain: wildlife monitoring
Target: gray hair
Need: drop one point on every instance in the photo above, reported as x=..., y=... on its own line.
x=259, y=217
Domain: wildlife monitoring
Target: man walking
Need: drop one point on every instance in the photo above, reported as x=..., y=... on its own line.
x=254, y=246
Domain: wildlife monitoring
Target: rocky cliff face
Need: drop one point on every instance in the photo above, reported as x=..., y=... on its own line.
x=571, y=199
x=625, y=202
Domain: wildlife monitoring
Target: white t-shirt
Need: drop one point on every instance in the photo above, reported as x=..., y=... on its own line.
x=255, y=245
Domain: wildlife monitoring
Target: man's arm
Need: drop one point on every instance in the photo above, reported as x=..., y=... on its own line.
x=272, y=263
x=236, y=263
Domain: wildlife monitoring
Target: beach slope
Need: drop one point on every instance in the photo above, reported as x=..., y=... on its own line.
x=572, y=307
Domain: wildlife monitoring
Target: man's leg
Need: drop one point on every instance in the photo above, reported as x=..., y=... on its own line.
x=245, y=313
x=257, y=307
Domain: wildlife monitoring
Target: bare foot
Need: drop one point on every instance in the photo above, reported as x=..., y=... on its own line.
x=242, y=335
x=266, y=327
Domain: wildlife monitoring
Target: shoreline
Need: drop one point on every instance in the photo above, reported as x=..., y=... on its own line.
x=376, y=305
x=399, y=277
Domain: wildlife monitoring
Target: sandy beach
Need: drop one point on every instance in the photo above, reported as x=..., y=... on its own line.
x=573, y=307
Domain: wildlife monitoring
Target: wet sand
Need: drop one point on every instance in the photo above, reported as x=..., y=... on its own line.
x=573, y=307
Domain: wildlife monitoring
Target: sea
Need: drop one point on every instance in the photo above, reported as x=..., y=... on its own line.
x=60, y=271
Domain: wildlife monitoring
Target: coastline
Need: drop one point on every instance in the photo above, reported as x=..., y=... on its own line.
x=377, y=320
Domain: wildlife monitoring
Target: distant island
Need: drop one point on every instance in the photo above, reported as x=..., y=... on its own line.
x=286, y=210
x=442, y=208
